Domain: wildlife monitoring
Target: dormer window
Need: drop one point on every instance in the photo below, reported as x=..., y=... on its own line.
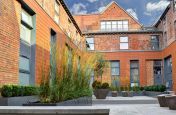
x=120, y=25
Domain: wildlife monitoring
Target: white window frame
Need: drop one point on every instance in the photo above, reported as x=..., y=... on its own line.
x=114, y=25
x=124, y=40
x=57, y=12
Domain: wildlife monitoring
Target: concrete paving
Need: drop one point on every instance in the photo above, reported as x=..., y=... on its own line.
x=115, y=109
x=146, y=109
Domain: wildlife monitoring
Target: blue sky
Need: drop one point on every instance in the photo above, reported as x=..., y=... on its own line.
x=145, y=11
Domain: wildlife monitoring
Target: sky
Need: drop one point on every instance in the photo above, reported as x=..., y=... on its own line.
x=145, y=11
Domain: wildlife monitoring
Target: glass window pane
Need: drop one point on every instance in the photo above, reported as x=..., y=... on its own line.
x=123, y=45
x=125, y=27
x=119, y=22
x=115, y=64
x=108, y=25
x=56, y=19
x=134, y=72
x=103, y=25
x=25, y=34
x=90, y=47
x=26, y=18
x=57, y=7
x=114, y=25
x=125, y=22
x=123, y=39
x=24, y=79
x=115, y=71
x=134, y=64
x=90, y=40
x=24, y=64
x=120, y=27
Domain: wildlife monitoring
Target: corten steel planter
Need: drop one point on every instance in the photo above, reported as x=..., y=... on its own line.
x=171, y=101
x=162, y=100
x=101, y=93
x=114, y=93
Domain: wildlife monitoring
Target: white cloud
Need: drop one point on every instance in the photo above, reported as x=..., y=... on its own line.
x=92, y=1
x=99, y=10
x=156, y=6
x=79, y=8
x=133, y=13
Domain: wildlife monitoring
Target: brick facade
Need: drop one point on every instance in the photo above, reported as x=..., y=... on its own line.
x=68, y=32
x=10, y=36
x=139, y=43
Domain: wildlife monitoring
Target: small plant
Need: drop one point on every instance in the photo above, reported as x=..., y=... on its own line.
x=99, y=85
x=113, y=88
x=105, y=86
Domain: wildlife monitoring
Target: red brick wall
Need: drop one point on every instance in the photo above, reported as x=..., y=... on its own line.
x=112, y=42
x=125, y=57
x=113, y=12
x=9, y=41
x=10, y=38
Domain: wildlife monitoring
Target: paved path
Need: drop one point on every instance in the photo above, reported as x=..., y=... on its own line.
x=115, y=109
x=149, y=109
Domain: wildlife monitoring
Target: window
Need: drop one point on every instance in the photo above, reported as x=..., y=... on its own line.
x=56, y=8
x=52, y=55
x=26, y=32
x=174, y=4
x=90, y=43
x=165, y=39
x=103, y=25
x=108, y=26
x=24, y=69
x=155, y=42
x=123, y=43
x=26, y=27
x=115, y=73
x=115, y=68
x=26, y=18
x=157, y=70
x=121, y=25
x=134, y=73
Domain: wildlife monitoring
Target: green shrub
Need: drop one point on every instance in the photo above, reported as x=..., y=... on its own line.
x=99, y=85
x=157, y=88
x=105, y=86
x=15, y=90
x=96, y=85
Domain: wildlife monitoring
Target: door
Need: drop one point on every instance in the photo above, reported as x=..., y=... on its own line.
x=157, y=68
x=168, y=72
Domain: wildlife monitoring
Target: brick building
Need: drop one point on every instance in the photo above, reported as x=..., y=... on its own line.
x=28, y=27
x=143, y=55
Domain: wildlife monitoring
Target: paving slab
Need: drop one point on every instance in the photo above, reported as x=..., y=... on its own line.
x=135, y=109
x=126, y=100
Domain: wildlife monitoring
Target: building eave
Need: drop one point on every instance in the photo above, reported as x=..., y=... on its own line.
x=122, y=32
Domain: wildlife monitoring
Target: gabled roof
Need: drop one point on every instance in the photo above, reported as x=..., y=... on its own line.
x=113, y=2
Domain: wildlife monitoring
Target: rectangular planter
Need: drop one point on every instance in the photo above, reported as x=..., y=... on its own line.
x=83, y=101
x=17, y=101
x=152, y=93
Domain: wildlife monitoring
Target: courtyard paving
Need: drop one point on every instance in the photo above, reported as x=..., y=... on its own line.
x=115, y=109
